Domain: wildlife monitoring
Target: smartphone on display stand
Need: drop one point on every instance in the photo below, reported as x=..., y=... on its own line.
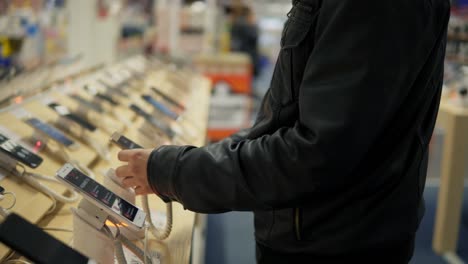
x=63, y=111
x=35, y=244
x=168, y=98
x=104, y=97
x=123, y=142
x=153, y=121
x=113, y=89
x=52, y=133
x=122, y=210
x=19, y=153
x=107, y=98
x=94, y=106
x=160, y=107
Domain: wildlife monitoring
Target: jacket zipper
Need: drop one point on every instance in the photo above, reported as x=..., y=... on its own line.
x=297, y=223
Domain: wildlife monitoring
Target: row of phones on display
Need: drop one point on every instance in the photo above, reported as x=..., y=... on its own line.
x=33, y=160
x=18, y=152
x=102, y=197
x=65, y=112
x=89, y=188
x=28, y=157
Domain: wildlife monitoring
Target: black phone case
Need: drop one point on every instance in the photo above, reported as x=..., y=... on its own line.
x=35, y=244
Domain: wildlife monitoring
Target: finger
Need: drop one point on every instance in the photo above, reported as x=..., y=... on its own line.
x=125, y=155
x=123, y=171
x=139, y=190
x=129, y=182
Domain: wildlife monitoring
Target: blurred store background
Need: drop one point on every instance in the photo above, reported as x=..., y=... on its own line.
x=235, y=44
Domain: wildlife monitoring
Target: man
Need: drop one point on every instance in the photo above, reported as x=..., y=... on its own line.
x=335, y=165
x=244, y=34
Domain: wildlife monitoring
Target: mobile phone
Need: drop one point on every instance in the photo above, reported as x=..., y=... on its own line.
x=132, y=216
x=63, y=111
x=153, y=121
x=123, y=142
x=94, y=106
x=160, y=107
x=122, y=80
x=35, y=244
x=104, y=97
x=168, y=98
x=113, y=89
x=107, y=98
x=51, y=132
x=19, y=153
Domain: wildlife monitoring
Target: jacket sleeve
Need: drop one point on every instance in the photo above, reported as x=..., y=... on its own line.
x=366, y=56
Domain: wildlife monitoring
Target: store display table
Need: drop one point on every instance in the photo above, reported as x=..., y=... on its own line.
x=454, y=120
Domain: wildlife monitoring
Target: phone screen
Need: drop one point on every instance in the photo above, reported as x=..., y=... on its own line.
x=168, y=98
x=107, y=98
x=81, y=100
x=160, y=107
x=63, y=111
x=126, y=143
x=153, y=121
x=35, y=244
x=101, y=194
x=19, y=153
x=51, y=131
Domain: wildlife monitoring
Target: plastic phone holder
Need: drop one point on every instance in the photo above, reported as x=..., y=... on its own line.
x=39, y=140
x=7, y=163
x=112, y=183
x=82, y=110
x=88, y=221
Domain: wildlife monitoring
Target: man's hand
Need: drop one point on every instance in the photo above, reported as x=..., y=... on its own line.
x=133, y=174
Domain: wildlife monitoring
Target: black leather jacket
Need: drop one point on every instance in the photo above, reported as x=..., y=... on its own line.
x=337, y=159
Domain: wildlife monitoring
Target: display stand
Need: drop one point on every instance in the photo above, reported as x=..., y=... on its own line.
x=88, y=221
x=454, y=120
x=33, y=205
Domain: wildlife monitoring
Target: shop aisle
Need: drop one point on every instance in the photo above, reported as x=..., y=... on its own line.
x=230, y=236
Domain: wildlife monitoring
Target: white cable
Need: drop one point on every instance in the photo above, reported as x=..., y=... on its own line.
x=56, y=229
x=129, y=244
x=4, y=213
x=14, y=200
x=54, y=204
x=117, y=244
x=158, y=234
x=145, y=244
x=14, y=171
x=30, y=179
x=135, y=249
